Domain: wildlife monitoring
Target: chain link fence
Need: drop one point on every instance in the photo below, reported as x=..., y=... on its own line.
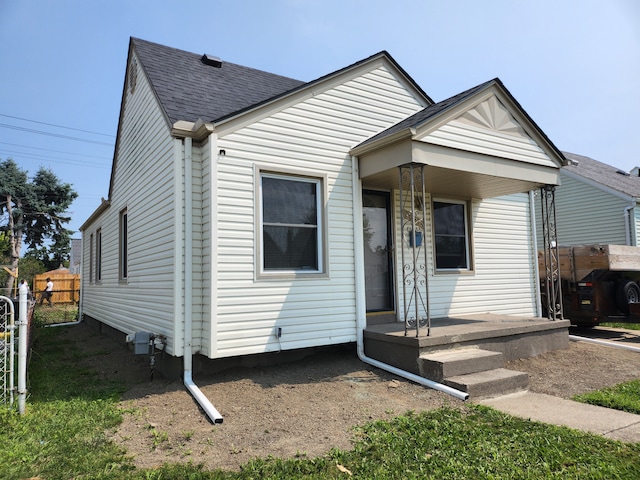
x=62, y=306
x=9, y=336
x=7, y=352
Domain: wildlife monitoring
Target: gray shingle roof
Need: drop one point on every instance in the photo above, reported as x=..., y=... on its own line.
x=189, y=90
x=603, y=174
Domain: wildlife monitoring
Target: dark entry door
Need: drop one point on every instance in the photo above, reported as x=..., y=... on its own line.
x=377, y=251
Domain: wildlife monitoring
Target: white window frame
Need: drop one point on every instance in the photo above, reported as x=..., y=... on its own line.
x=123, y=245
x=91, y=268
x=467, y=236
x=320, y=183
x=99, y=255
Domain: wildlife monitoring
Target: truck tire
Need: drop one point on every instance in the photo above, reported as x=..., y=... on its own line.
x=628, y=292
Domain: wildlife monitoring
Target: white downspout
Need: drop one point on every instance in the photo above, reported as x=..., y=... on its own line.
x=536, y=269
x=627, y=223
x=197, y=394
x=23, y=327
x=361, y=309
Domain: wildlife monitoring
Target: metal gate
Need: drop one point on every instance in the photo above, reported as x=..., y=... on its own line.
x=7, y=351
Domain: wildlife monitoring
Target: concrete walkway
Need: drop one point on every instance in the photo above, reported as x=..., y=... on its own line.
x=609, y=423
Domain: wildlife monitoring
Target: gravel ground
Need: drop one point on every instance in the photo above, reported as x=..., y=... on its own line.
x=305, y=408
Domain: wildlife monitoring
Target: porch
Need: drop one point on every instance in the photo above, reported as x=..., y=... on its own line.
x=467, y=352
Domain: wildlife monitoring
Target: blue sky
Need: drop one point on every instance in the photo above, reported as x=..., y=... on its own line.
x=574, y=65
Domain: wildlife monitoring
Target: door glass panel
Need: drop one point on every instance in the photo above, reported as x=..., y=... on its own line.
x=375, y=212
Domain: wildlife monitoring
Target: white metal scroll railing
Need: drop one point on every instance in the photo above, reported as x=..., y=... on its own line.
x=413, y=227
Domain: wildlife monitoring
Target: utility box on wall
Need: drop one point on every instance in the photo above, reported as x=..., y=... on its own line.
x=141, y=342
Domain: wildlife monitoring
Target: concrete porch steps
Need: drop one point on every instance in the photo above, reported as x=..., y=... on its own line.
x=478, y=372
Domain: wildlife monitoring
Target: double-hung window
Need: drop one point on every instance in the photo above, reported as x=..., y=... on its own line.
x=291, y=230
x=451, y=235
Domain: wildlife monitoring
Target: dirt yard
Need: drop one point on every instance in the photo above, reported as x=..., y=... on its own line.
x=305, y=408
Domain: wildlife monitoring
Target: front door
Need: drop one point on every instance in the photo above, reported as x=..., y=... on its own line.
x=377, y=251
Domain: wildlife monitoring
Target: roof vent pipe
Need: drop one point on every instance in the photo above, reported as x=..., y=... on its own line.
x=211, y=61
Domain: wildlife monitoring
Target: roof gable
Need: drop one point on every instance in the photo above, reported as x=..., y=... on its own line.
x=477, y=120
x=601, y=174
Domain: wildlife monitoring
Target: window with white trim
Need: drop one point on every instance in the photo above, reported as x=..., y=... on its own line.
x=99, y=255
x=451, y=235
x=91, y=258
x=124, y=244
x=291, y=230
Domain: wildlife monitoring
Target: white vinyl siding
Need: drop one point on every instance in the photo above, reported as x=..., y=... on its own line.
x=503, y=279
x=314, y=137
x=585, y=214
x=144, y=184
x=206, y=335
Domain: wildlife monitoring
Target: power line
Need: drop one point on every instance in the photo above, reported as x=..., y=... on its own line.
x=57, y=135
x=57, y=126
x=37, y=157
x=56, y=151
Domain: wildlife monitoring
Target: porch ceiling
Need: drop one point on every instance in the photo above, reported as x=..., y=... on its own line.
x=454, y=172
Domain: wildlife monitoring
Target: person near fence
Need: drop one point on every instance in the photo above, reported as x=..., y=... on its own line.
x=48, y=292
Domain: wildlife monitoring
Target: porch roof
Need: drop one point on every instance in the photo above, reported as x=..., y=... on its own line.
x=477, y=144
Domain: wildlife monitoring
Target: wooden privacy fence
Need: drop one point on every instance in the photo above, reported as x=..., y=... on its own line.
x=66, y=287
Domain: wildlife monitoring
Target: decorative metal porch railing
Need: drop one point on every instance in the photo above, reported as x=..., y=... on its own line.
x=553, y=286
x=413, y=223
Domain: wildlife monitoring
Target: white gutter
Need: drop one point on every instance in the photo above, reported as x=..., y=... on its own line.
x=536, y=269
x=361, y=309
x=577, y=338
x=197, y=394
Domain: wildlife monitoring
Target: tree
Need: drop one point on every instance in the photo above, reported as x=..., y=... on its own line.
x=33, y=212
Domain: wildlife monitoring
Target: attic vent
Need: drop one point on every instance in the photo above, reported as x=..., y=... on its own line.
x=211, y=60
x=133, y=74
x=622, y=172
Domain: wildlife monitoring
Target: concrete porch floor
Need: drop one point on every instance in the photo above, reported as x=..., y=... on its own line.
x=513, y=336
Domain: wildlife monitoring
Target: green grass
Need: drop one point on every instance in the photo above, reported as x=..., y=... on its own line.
x=628, y=326
x=65, y=434
x=58, y=313
x=625, y=396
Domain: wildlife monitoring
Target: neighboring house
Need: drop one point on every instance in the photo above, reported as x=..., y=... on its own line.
x=234, y=219
x=596, y=203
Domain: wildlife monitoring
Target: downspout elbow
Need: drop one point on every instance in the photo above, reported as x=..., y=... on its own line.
x=202, y=400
